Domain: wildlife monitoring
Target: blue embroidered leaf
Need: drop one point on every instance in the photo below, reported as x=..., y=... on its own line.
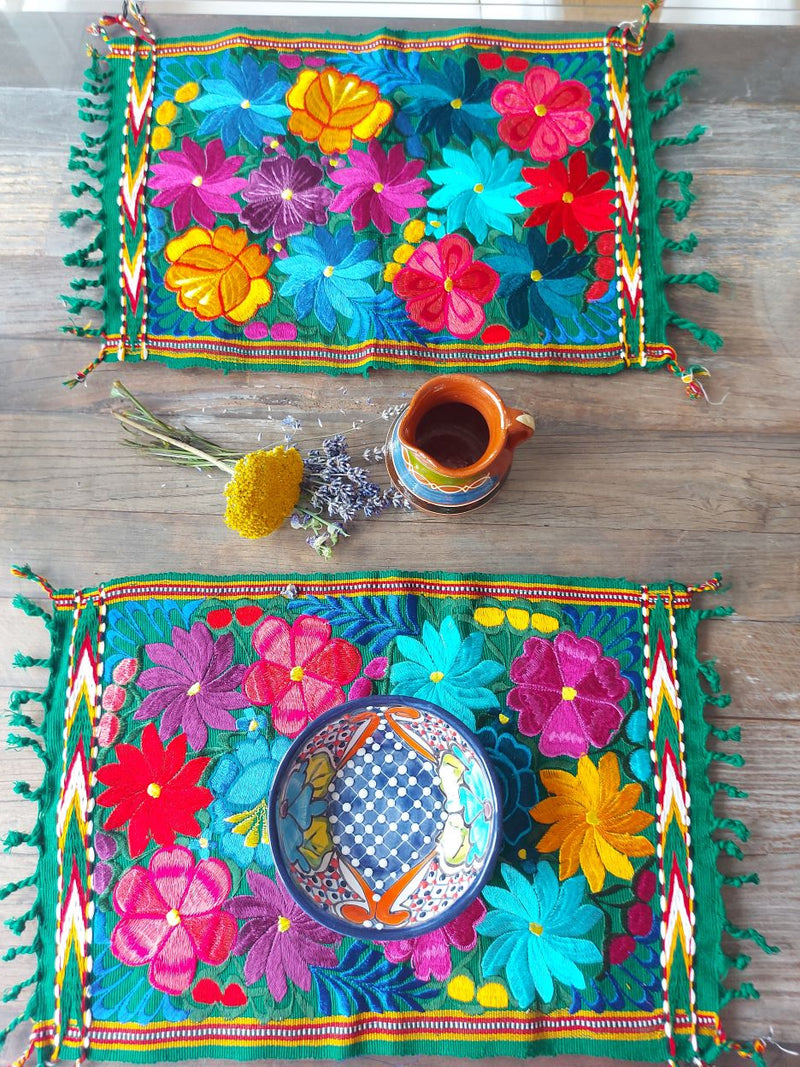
x=370, y=620
x=383, y=316
x=387, y=68
x=366, y=981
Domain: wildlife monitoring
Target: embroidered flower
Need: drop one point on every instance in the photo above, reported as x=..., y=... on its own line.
x=379, y=187
x=444, y=288
x=284, y=194
x=326, y=274
x=194, y=683
x=247, y=101
x=452, y=102
x=479, y=189
x=197, y=182
x=537, y=930
x=570, y=200
x=538, y=280
x=430, y=953
x=301, y=671
x=543, y=114
x=567, y=693
x=153, y=790
x=512, y=761
x=333, y=109
x=171, y=916
x=595, y=824
x=446, y=670
x=217, y=273
x=280, y=941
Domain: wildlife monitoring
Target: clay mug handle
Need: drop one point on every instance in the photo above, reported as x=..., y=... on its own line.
x=521, y=427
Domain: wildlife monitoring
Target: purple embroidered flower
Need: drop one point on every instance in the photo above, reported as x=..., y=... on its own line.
x=379, y=186
x=198, y=182
x=284, y=194
x=193, y=684
x=430, y=953
x=280, y=940
x=568, y=692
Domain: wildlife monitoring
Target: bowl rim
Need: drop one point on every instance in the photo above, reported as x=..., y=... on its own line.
x=333, y=922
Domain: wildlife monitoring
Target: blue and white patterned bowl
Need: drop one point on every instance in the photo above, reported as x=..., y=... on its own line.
x=385, y=818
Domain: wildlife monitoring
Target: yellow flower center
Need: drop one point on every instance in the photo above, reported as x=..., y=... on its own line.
x=456, y=104
x=296, y=674
x=535, y=928
x=245, y=104
x=283, y=924
x=592, y=818
x=203, y=842
x=287, y=194
x=448, y=285
x=568, y=693
x=154, y=790
x=568, y=197
x=173, y=917
x=274, y=144
x=253, y=725
x=328, y=271
x=540, y=110
x=536, y=275
x=277, y=247
x=477, y=188
x=435, y=223
x=197, y=181
x=378, y=187
x=436, y=676
x=193, y=690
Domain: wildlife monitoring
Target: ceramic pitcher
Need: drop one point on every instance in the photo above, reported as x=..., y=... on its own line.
x=452, y=447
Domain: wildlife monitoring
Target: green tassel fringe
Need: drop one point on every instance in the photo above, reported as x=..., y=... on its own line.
x=21, y=660
x=731, y=790
x=15, y=990
x=13, y=887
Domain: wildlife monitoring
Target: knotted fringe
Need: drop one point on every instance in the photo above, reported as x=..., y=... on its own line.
x=89, y=158
x=713, y=696
x=34, y=838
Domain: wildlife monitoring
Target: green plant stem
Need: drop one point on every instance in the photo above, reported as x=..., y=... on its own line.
x=184, y=446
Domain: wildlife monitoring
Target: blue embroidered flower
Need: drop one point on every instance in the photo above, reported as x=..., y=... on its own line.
x=538, y=933
x=156, y=237
x=241, y=782
x=512, y=762
x=538, y=280
x=479, y=189
x=253, y=723
x=246, y=101
x=475, y=797
x=639, y=761
x=453, y=101
x=446, y=670
x=326, y=273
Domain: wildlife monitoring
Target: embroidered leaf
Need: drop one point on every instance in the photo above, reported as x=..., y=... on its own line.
x=373, y=621
x=387, y=68
x=383, y=316
x=366, y=981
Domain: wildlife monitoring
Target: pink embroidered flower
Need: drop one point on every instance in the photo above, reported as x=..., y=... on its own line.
x=543, y=113
x=444, y=288
x=171, y=916
x=430, y=953
x=198, y=182
x=301, y=671
x=379, y=186
x=567, y=692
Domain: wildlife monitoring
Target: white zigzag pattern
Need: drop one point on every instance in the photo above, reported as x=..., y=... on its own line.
x=661, y=679
x=84, y=677
x=133, y=280
x=632, y=281
x=672, y=790
x=139, y=105
x=131, y=186
x=678, y=915
x=75, y=787
x=71, y=919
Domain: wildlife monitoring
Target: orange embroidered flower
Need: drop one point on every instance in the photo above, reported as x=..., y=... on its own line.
x=217, y=273
x=594, y=823
x=334, y=108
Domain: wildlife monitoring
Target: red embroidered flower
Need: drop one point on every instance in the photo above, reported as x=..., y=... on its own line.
x=301, y=672
x=154, y=791
x=543, y=113
x=445, y=289
x=571, y=201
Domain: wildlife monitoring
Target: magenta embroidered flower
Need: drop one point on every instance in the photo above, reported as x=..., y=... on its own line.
x=568, y=692
x=198, y=182
x=543, y=114
x=281, y=942
x=379, y=186
x=430, y=953
x=171, y=916
x=284, y=194
x=194, y=684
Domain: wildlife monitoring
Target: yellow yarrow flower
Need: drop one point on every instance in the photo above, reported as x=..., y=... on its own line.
x=263, y=491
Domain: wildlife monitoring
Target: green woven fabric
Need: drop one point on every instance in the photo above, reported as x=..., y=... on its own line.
x=599, y=933
x=470, y=199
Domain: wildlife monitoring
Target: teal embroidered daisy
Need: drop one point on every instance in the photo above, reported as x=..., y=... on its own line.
x=479, y=189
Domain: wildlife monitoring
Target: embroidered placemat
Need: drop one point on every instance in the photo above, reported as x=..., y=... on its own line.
x=470, y=199
x=164, y=932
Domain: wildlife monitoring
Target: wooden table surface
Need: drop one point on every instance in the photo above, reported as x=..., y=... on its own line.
x=624, y=477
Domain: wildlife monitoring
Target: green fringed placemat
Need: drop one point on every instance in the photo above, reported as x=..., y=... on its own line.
x=599, y=933
x=470, y=199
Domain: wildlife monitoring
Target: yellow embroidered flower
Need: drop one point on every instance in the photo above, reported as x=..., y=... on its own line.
x=594, y=823
x=263, y=491
x=217, y=273
x=333, y=108
x=461, y=988
x=492, y=995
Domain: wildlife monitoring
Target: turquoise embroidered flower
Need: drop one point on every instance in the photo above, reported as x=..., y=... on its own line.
x=446, y=670
x=479, y=189
x=247, y=101
x=252, y=723
x=475, y=797
x=538, y=933
x=326, y=273
x=453, y=101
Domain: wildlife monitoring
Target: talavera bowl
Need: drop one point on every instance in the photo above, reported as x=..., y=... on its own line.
x=385, y=818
